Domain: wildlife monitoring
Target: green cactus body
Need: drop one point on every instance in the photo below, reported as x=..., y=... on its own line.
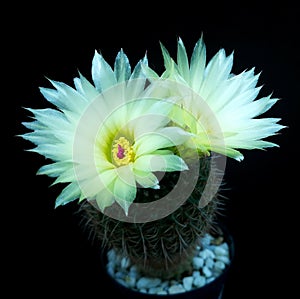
x=162, y=248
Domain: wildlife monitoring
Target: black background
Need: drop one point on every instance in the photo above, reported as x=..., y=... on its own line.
x=47, y=252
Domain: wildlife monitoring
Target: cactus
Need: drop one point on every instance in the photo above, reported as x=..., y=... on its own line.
x=102, y=138
x=165, y=247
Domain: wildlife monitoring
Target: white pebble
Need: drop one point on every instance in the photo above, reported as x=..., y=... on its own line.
x=206, y=240
x=206, y=253
x=199, y=281
x=120, y=274
x=209, y=263
x=121, y=281
x=134, y=273
x=110, y=268
x=176, y=289
x=207, y=272
x=173, y=282
x=162, y=293
x=133, y=269
x=210, y=279
x=155, y=290
x=125, y=263
x=225, y=246
x=164, y=284
x=130, y=281
x=223, y=259
x=220, y=251
x=111, y=255
x=188, y=282
x=147, y=282
x=219, y=265
x=198, y=262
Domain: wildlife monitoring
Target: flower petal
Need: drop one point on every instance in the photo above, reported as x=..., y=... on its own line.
x=66, y=177
x=152, y=163
x=217, y=70
x=54, y=169
x=146, y=179
x=71, y=99
x=102, y=74
x=104, y=199
x=125, y=187
x=69, y=193
x=197, y=66
x=85, y=88
x=224, y=110
x=90, y=187
x=55, y=152
x=122, y=67
x=162, y=138
x=182, y=61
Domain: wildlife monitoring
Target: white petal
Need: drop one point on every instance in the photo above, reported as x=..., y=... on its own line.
x=229, y=152
x=138, y=70
x=104, y=199
x=125, y=187
x=85, y=88
x=73, y=100
x=198, y=62
x=149, y=73
x=122, y=67
x=217, y=71
x=146, y=179
x=108, y=176
x=91, y=186
x=167, y=58
x=102, y=74
x=163, y=138
x=54, y=169
x=50, y=118
x=69, y=193
x=147, y=123
x=40, y=137
x=256, y=108
x=182, y=61
x=152, y=163
x=53, y=97
x=137, y=81
x=66, y=177
x=55, y=152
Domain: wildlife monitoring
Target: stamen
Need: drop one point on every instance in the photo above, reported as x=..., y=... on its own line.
x=122, y=151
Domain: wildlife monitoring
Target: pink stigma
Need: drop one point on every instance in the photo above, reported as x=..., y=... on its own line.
x=121, y=151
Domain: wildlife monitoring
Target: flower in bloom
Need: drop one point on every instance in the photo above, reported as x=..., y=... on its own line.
x=222, y=109
x=108, y=138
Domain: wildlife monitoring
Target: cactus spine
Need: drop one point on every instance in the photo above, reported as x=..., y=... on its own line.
x=165, y=247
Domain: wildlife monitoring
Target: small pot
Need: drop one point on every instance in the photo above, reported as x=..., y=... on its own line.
x=212, y=290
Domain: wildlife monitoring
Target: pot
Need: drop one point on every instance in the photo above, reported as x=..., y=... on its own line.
x=211, y=290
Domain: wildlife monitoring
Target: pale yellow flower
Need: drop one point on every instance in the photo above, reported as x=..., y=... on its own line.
x=105, y=140
x=221, y=108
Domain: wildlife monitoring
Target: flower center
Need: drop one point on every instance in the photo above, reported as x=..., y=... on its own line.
x=122, y=151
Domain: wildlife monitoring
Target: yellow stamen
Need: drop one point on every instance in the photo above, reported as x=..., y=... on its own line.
x=122, y=152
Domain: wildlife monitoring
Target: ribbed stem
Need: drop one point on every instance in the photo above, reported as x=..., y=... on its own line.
x=165, y=247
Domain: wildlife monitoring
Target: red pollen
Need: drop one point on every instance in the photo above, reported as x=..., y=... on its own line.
x=121, y=151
